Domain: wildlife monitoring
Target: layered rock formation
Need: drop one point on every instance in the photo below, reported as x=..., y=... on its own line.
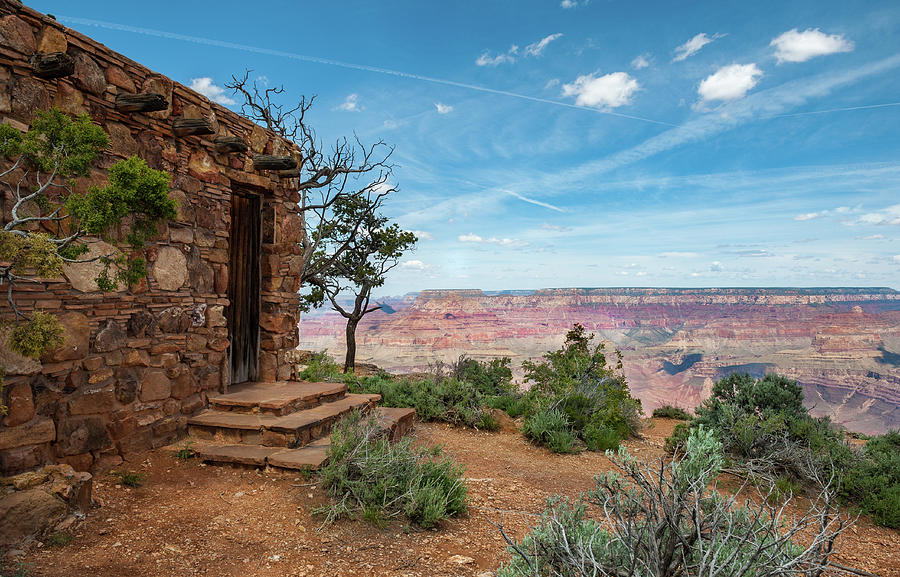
x=843, y=344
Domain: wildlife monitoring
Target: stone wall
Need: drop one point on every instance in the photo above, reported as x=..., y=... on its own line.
x=136, y=362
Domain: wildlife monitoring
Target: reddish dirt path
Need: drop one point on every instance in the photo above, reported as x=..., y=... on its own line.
x=191, y=519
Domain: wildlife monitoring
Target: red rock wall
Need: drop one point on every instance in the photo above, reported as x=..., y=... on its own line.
x=137, y=362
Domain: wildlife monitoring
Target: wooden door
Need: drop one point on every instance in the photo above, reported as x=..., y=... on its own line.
x=243, y=286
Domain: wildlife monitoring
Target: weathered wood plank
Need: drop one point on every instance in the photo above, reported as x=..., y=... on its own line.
x=142, y=102
x=52, y=65
x=192, y=126
x=230, y=144
x=269, y=162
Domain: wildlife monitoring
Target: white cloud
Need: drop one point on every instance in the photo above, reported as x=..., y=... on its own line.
x=207, y=88
x=677, y=254
x=889, y=215
x=554, y=227
x=871, y=237
x=716, y=266
x=897, y=258
x=507, y=242
x=640, y=61
x=568, y=4
x=551, y=83
x=350, y=104
x=810, y=215
x=604, y=92
x=413, y=265
x=796, y=46
x=443, y=108
x=729, y=82
x=537, y=48
x=423, y=235
x=487, y=60
x=694, y=45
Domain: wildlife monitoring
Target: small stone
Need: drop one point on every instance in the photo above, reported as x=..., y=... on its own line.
x=52, y=40
x=20, y=405
x=110, y=337
x=88, y=75
x=170, y=268
x=155, y=386
x=461, y=560
x=118, y=77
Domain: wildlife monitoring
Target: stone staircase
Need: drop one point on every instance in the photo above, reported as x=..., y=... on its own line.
x=282, y=424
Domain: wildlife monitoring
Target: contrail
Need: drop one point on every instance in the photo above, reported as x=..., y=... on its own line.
x=846, y=109
x=330, y=62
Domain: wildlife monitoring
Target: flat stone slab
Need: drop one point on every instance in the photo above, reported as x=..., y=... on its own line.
x=323, y=413
x=275, y=397
x=238, y=454
x=286, y=424
x=311, y=456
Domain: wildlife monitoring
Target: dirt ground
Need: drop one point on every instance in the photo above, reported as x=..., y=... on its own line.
x=192, y=519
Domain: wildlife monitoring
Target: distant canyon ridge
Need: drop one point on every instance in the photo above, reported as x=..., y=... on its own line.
x=841, y=344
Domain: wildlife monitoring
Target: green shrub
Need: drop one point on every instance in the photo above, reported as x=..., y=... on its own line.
x=129, y=478
x=765, y=429
x=600, y=438
x=664, y=519
x=671, y=412
x=41, y=333
x=550, y=427
x=458, y=395
x=60, y=539
x=320, y=367
x=372, y=478
x=578, y=381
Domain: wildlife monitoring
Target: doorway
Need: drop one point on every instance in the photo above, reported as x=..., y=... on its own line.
x=243, y=286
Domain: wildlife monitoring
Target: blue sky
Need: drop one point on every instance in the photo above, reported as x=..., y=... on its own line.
x=575, y=143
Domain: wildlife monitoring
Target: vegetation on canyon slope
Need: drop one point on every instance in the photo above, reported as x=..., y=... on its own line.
x=770, y=437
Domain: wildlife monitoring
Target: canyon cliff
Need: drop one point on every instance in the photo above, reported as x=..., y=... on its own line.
x=841, y=344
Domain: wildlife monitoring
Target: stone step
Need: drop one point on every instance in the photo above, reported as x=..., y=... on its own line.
x=278, y=398
x=293, y=430
x=310, y=457
x=395, y=421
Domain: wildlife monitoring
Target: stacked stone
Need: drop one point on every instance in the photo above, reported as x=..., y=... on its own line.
x=136, y=362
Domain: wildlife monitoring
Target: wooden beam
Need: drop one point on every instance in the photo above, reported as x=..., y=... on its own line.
x=230, y=144
x=188, y=126
x=269, y=162
x=142, y=102
x=52, y=65
x=292, y=173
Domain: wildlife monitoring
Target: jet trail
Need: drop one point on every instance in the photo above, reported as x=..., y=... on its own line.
x=330, y=62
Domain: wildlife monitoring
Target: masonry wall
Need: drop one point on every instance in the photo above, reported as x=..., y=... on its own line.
x=137, y=362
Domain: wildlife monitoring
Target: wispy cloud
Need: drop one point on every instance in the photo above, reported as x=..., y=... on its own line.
x=443, y=108
x=209, y=89
x=796, y=46
x=506, y=242
x=535, y=202
x=729, y=82
x=604, y=92
x=694, y=45
x=810, y=215
x=569, y=4
x=641, y=61
x=678, y=254
x=414, y=265
x=350, y=104
x=503, y=58
x=537, y=48
x=886, y=216
x=423, y=235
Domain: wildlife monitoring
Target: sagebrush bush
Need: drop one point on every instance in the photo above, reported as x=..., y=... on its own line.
x=372, y=478
x=668, y=519
x=460, y=394
x=320, y=367
x=578, y=381
x=767, y=432
x=671, y=412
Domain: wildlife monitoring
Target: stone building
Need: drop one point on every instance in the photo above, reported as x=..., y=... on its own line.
x=220, y=303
